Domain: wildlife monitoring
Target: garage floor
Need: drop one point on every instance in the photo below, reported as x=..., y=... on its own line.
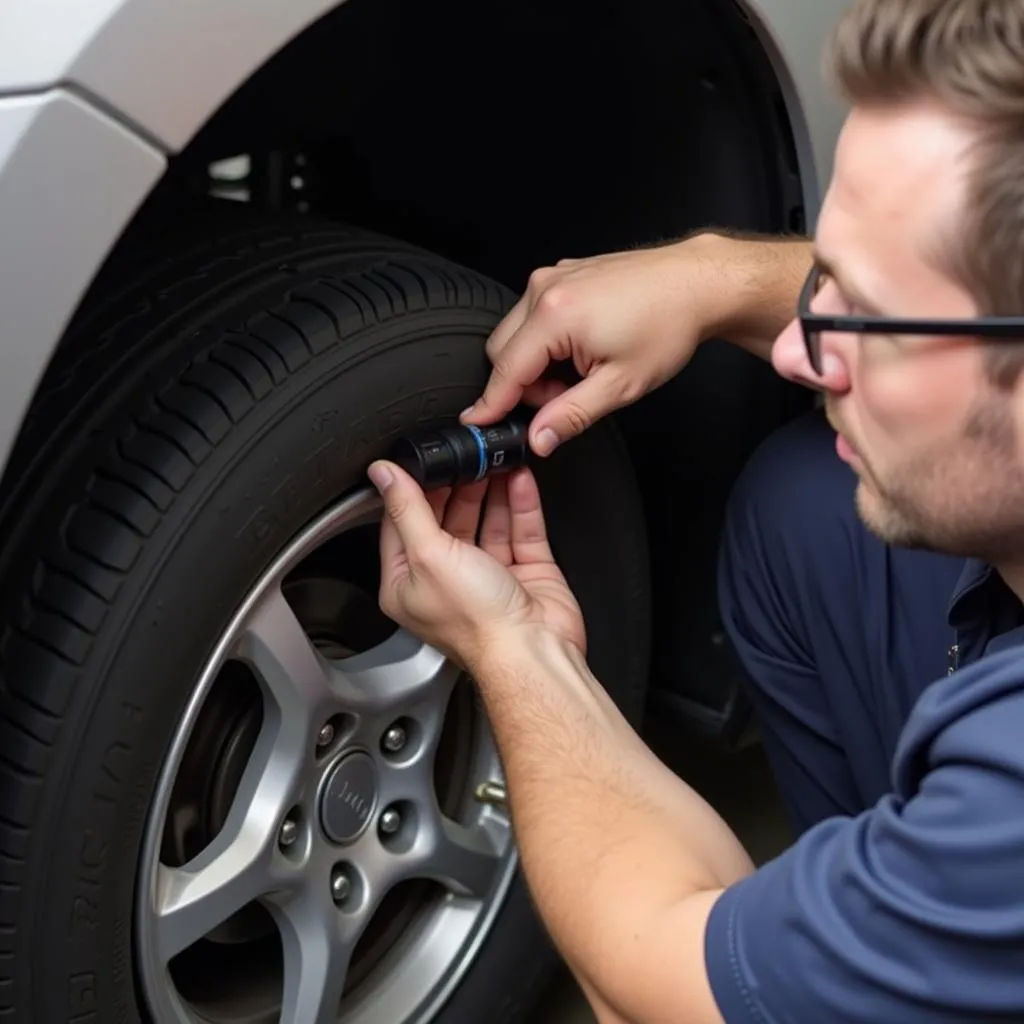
x=740, y=787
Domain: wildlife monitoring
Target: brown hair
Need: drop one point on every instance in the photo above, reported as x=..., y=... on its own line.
x=969, y=56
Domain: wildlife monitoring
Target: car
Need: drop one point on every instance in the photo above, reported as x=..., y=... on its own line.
x=246, y=245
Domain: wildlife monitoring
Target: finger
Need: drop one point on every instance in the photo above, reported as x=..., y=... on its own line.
x=393, y=561
x=543, y=391
x=529, y=533
x=462, y=516
x=407, y=508
x=438, y=501
x=496, y=529
x=509, y=324
x=576, y=408
x=520, y=363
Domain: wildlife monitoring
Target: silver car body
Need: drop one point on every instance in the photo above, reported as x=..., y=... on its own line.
x=94, y=99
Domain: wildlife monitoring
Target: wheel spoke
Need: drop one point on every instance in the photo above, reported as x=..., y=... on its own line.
x=239, y=864
x=400, y=672
x=464, y=860
x=294, y=675
x=195, y=899
x=317, y=942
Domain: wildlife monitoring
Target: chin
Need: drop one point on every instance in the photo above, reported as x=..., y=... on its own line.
x=886, y=522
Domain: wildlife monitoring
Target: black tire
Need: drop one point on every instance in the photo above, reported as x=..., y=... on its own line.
x=200, y=415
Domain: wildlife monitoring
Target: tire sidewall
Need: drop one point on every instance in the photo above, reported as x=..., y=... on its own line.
x=301, y=449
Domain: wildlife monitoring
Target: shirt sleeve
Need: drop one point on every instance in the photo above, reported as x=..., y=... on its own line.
x=912, y=912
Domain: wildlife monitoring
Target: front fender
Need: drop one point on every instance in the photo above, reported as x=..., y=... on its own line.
x=93, y=96
x=70, y=179
x=163, y=65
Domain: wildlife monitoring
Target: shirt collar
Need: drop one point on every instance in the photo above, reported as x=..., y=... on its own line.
x=984, y=607
x=976, y=579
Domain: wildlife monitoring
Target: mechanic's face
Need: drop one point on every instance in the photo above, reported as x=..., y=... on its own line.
x=934, y=443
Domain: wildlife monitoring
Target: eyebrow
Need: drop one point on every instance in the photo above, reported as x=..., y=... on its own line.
x=854, y=294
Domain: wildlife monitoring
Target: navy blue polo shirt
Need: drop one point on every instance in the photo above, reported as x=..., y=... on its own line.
x=911, y=911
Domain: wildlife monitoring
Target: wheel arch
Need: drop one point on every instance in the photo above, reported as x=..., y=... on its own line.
x=793, y=36
x=105, y=81
x=110, y=86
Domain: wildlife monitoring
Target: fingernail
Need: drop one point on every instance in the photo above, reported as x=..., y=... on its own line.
x=830, y=364
x=381, y=476
x=546, y=442
x=465, y=412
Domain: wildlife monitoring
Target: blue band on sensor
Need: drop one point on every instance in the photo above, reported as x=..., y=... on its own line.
x=481, y=448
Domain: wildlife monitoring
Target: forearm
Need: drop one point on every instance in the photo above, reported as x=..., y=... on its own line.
x=756, y=281
x=609, y=838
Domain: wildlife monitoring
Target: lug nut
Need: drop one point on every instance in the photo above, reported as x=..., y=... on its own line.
x=326, y=735
x=390, y=821
x=341, y=886
x=289, y=832
x=394, y=739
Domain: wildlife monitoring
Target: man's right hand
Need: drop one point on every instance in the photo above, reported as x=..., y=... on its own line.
x=629, y=321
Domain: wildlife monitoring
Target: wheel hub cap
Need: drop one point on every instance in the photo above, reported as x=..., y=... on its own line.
x=349, y=798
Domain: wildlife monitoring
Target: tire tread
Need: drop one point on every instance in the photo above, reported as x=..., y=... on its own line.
x=77, y=578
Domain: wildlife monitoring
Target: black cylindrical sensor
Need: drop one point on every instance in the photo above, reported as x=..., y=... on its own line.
x=462, y=454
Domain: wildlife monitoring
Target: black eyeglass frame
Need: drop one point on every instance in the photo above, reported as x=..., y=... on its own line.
x=813, y=324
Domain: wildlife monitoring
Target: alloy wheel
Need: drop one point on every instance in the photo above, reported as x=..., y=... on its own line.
x=328, y=837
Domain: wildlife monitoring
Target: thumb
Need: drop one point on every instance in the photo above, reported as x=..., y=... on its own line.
x=405, y=505
x=577, y=408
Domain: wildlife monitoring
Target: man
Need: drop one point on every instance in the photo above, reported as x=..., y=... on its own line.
x=872, y=571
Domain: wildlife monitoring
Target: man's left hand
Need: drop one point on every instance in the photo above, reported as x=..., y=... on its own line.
x=464, y=597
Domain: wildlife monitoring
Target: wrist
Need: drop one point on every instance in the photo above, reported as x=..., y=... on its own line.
x=523, y=648
x=538, y=675
x=750, y=282
x=510, y=647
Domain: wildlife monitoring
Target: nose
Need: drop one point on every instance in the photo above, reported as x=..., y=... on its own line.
x=789, y=357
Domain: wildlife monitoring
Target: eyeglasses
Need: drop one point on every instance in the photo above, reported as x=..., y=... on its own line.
x=814, y=324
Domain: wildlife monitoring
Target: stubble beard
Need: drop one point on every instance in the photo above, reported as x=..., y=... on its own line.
x=965, y=499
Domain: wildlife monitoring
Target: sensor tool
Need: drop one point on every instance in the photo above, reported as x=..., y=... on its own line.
x=449, y=456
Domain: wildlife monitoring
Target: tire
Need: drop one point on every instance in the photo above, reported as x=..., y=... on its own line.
x=201, y=413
